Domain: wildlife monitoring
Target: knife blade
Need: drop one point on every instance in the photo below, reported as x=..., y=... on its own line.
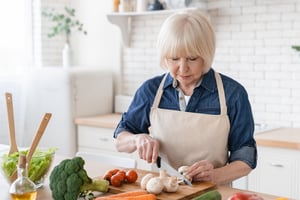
x=170, y=170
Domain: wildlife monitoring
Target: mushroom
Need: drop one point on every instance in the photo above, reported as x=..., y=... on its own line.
x=171, y=184
x=157, y=184
x=182, y=170
x=145, y=180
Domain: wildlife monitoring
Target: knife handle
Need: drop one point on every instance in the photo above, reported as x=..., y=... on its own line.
x=158, y=162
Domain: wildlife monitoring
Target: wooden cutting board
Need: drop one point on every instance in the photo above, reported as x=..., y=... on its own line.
x=185, y=192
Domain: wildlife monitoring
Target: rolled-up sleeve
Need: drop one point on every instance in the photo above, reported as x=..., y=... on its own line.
x=246, y=154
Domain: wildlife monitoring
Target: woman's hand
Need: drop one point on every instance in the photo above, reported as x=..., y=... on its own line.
x=201, y=171
x=147, y=147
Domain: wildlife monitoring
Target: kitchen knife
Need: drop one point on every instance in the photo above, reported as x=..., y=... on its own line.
x=170, y=170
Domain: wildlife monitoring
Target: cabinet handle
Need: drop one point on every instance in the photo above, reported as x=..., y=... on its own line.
x=103, y=139
x=276, y=165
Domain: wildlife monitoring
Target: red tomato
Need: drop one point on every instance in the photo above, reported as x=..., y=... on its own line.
x=107, y=176
x=122, y=174
x=116, y=180
x=113, y=171
x=131, y=176
x=110, y=173
x=243, y=196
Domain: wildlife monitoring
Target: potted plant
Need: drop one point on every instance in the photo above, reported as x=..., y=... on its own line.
x=297, y=48
x=64, y=23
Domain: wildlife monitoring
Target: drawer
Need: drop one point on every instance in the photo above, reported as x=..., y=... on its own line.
x=95, y=137
x=93, y=150
x=277, y=172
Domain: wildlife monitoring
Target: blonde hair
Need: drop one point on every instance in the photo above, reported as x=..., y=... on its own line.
x=187, y=33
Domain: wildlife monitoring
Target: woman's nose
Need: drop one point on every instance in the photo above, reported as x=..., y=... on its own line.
x=183, y=66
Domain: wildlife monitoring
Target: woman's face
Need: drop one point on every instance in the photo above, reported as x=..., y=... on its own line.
x=186, y=70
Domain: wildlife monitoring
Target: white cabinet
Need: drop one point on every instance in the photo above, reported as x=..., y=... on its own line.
x=277, y=172
x=96, y=139
x=95, y=134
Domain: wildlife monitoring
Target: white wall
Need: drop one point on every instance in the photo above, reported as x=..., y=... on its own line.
x=101, y=46
x=254, y=40
x=254, y=47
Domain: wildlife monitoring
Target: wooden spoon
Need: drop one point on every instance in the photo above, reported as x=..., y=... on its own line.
x=38, y=136
x=35, y=142
x=10, y=112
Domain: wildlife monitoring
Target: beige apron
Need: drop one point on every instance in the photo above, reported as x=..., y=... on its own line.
x=187, y=137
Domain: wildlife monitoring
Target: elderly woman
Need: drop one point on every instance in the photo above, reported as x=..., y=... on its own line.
x=198, y=117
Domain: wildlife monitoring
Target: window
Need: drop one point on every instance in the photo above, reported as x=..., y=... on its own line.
x=15, y=36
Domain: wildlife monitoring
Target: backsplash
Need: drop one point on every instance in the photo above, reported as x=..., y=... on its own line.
x=254, y=40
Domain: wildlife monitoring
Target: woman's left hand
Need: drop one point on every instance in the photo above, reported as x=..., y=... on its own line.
x=201, y=171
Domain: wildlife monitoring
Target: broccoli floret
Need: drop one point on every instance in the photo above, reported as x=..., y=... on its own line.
x=69, y=179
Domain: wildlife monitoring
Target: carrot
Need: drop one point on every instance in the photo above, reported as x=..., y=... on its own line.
x=132, y=193
x=138, y=197
x=141, y=197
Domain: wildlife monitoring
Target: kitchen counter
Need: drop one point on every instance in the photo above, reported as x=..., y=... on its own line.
x=103, y=121
x=280, y=137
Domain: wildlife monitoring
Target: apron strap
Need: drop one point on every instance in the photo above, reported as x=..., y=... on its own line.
x=221, y=94
x=159, y=92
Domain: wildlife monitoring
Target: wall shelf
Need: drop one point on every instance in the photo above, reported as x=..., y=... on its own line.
x=123, y=20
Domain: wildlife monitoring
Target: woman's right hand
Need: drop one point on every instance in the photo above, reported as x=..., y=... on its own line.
x=147, y=147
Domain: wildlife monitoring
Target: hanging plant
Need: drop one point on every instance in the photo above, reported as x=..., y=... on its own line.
x=64, y=23
x=297, y=48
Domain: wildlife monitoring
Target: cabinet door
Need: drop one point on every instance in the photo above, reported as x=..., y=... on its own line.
x=96, y=139
x=276, y=172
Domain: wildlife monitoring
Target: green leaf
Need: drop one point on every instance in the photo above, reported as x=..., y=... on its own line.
x=63, y=23
x=297, y=48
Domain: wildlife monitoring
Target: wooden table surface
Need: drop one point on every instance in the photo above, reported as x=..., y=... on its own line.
x=98, y=169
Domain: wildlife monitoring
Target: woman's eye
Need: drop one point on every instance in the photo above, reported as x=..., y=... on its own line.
x=193, y=58
x=174, y=59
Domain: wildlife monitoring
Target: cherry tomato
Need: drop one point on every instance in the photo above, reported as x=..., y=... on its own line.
x=122, y=174
x=116, y=180
x=107, y=176
x=240, y=196
x=131, y=176
x=110, y=173
x=113, y=171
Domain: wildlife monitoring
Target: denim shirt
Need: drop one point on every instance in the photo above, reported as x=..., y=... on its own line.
x=241, y=143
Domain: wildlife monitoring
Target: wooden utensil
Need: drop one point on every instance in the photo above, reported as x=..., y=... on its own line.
x=35, y=141
x=10, y=112
x=38, y=136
